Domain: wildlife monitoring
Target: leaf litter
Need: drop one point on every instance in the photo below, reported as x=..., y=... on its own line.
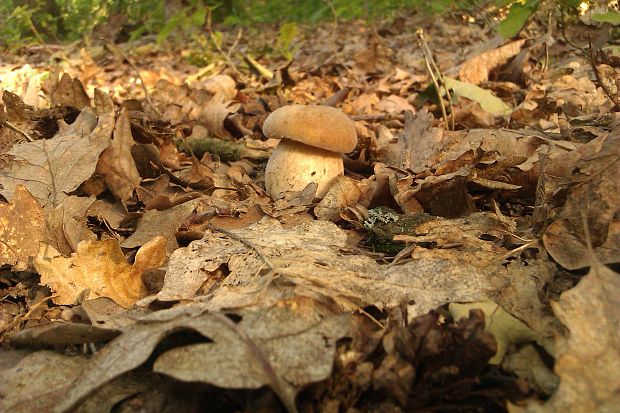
x=451, y=269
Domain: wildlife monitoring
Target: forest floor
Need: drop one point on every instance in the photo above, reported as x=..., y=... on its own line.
x=464, y=262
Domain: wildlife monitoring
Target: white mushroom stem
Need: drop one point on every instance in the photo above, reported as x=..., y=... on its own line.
x=293, y=165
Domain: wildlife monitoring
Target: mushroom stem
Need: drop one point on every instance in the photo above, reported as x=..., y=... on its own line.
x=293, y=165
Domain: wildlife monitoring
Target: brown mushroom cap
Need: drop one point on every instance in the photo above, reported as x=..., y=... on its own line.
x=319, y=126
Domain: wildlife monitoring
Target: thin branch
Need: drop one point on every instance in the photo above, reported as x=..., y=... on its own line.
x=26, y=316
x=16, y=129
x=147, y=96
x=441, y=79
x=247, y=243
x=218, y=47
x=380, y=118
x=562, y=26
x=597, y=75
x=430, y=63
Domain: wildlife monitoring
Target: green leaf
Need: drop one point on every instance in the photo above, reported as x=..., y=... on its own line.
x=199, y=17
x=488, y=102
x=506, y=329
x=612, y=17
x=517, y=17
x=170, y=25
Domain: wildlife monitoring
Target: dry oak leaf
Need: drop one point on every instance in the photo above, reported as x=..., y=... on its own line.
x=22, y=227
x=588, y=361
x=68, y=91
x=51, y=168
x=476, y=70
x=100, y=267
x=38, y=381
x=67, y=224
x=116, y=163
x=162, y=223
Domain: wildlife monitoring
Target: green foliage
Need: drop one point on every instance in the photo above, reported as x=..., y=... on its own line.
x=519, y=13
x=19, y=29
x=285, y=41
x=611, y=17
x=185, y=18
x=61, y=20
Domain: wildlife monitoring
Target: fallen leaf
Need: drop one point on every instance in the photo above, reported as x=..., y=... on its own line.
x=594, y=188
x=52, y=168
x=568, y=249
x=22, y=228
x=506, y=329
x=213, y=114
x=486, y=99
x=67, y=224
x=43, y=379
x=60, y=333
x=222, y=87
x=588, y=359
x=116, y=164
x=67, y=91
x=112, y=214
x=419, y=141
x=476, y=70
x=100, y=267
x=342, y=193
x=257, y=351
x=259, y=344
x=528, y=364
x=161, y=223
x=308, y=257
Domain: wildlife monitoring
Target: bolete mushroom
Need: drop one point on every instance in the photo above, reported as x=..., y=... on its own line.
x=313, y=138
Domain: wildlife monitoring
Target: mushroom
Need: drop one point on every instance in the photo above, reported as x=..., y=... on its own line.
x=313, y=138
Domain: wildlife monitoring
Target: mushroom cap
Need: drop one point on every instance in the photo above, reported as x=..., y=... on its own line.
x=293, y=165
x=320, y=126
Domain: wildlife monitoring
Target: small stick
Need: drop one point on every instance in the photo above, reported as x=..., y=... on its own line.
x=337, y=97
x=597, y=75
x=245, y=242
x=262, y=70
x=379, y=118
x=19, y=319
x=147, y=96
x=562, y=26
x=430, y=65
x=218, y=46
x=332, y=8
x=16, y=129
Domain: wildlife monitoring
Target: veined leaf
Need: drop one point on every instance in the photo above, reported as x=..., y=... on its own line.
x=486, y=99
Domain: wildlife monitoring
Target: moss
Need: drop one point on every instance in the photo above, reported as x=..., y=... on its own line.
x=384, y=223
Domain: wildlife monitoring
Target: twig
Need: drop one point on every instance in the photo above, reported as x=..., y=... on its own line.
x=597, y=75
x=225, y=150
x=441, y=79
x=380, y=118
x=247, y=243
x=19, y=319
x=513, y=252
x=16, y=129
x=330, y=5
x=562, y=26
x=147, y=96
x=235, y=43
x=430, y=65
x=218, y=47
x=279, y=386
x=262, y=70
x=337, y=97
